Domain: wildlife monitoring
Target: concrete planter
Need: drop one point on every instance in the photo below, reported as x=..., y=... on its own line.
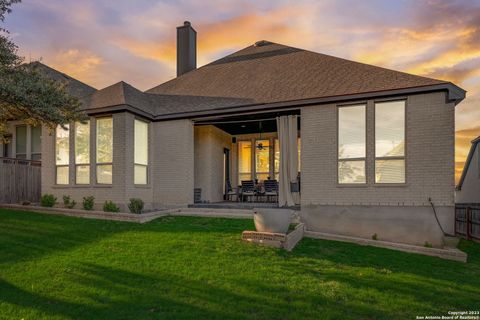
x=272, y=220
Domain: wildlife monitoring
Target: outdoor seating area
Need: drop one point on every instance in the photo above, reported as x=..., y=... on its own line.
x=253, y=191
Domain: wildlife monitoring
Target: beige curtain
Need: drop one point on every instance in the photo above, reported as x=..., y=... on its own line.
x=287, y=137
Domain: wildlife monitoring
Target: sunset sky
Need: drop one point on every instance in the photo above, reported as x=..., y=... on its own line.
x=103, y=42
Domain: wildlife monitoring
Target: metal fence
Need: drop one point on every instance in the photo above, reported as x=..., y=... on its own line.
x=20, y=180
x=467, y=220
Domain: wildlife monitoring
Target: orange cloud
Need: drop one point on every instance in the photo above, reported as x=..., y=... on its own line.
x=233, y=33
x=77, y=64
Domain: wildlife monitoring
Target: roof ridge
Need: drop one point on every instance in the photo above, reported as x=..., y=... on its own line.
x=61, y=73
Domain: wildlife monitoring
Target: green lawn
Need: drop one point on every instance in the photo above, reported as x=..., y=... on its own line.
x=54, y=267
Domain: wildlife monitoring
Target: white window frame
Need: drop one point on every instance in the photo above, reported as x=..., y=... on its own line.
x=99, y=164
x=364, y=158
x=135, y=164
x=25, y=154
x=404, y=157
x=83, y=164
x=67, y=165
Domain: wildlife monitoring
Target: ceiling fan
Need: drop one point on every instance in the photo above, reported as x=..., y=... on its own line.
x=260, y=145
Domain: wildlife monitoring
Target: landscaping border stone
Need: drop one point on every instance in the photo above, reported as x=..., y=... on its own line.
x=92, y=214
x=445, y=253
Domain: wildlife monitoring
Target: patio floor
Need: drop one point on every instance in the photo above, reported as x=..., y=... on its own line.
x=239, y=205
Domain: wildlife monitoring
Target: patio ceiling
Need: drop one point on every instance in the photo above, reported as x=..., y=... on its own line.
x=245, y=124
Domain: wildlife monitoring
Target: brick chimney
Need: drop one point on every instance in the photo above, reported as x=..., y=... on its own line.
x=186, y=48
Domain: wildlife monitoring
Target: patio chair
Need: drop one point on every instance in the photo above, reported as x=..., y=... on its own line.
x=271, y=189
x=248, y=189
x=230, y=192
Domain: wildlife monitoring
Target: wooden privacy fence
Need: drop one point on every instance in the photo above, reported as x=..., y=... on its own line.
x=467, y=220
x=19, y=180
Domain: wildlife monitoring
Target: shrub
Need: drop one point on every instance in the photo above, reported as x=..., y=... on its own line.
x=68, y=202
x=375, y=236
x=427, y=244
x=110, y=206
x=135, y=205
x=88, y=202
x=48, y=200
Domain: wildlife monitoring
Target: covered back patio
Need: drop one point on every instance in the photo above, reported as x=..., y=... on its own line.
x=238, y=160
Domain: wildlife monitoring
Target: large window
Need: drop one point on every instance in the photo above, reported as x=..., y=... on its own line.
x=141, y=152
x=244, y=160
x=390, y=142
x=82, y=153
x=351, y=144
x=21, y=142
x=62, y=154
x=36, y=143
x=262, y=159
x=104, y=150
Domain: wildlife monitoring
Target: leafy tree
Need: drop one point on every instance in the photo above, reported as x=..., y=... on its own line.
x=26, y=94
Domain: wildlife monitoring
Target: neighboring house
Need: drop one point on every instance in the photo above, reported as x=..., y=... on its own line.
x=376, y=144
x=468, y=188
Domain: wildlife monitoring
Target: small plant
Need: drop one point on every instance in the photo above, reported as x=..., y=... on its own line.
x=48, y=200
x=68, y=202
x=375, y=236
x=110, y=206
x=135, y=205
x=427, y=244
x=88, y=202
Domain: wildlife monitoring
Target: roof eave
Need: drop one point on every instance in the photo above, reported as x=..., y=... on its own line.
x=454, y=94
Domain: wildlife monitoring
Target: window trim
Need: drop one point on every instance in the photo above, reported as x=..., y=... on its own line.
x=97, y=164
x=239, y=181
x=55, y=155
x=76, y=165
x=364, y=159
x=148, y=153
x=254, y=145
x=404, y=157
x=31, y=143
x=26, y=141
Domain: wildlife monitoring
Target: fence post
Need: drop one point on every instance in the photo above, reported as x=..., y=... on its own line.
x=469, y=225
x=455, y=221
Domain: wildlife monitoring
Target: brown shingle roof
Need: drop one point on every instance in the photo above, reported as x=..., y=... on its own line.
x=123, y=94
x=273, y=72
x=252, y=78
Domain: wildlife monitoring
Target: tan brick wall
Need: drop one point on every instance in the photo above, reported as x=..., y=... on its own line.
x=170, y=171
x=144, y=192
x=114, y=192
x=173, y=155
x=210, y=142
x=429, y=157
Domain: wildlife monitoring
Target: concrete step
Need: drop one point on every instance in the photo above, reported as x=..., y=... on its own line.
x=211, y=212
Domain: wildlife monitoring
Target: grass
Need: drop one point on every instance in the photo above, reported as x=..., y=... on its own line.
x=55, y=267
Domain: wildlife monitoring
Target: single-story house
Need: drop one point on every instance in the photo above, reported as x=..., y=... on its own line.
x=359, y=148
x=468, y=188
